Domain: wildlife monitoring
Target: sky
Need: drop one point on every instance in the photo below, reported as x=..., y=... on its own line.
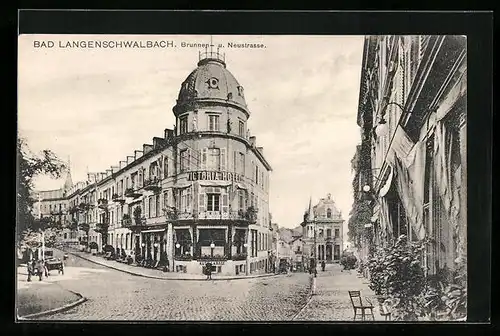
x=96, y=106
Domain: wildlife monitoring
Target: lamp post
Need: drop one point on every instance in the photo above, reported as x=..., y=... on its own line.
x=212, y=246
x=247, y=271
x=42, y=233
x=142, y=250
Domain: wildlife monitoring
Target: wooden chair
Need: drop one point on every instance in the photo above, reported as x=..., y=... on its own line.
x=360, y=308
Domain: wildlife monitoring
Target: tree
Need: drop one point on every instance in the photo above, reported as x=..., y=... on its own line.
x=31, y=165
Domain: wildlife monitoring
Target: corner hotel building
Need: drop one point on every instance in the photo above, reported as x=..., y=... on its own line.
x=199, y=193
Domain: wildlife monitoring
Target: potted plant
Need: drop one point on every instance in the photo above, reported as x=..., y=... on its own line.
x=396, y=272
x=137, y=215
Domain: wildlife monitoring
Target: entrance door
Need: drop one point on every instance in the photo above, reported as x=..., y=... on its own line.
x=336, y=252
x=329, y=253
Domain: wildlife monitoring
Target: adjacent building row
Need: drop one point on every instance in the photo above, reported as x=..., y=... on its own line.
x=411, y=163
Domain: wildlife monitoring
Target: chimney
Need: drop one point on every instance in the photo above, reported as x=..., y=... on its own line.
x=130, y=159
x=109, y=172
x=147, y=148
x=115, y=169
x=157, y=142
x=169, y=133
x=123, y=164
x=137, y=154
x=252, y=141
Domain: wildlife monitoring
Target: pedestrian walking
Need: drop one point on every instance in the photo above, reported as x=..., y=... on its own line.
x=323, y=265
x=208, y=270
x=31, y=269
x=40, y=269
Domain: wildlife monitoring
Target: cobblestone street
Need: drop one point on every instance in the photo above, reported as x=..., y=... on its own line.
x=331, y=301
x=114, y=295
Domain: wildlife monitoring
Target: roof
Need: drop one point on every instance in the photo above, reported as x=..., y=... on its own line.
x=211, y=81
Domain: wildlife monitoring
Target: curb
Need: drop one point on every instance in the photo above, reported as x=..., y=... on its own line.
x=81, y=300
x=178, y=279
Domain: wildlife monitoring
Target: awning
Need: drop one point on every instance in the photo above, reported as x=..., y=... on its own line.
x=241, y=186
x=215, y=183
x=156, y=230
x=385, y=188
x=182, y=185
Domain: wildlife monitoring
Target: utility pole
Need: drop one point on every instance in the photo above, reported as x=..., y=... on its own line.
x=42, y=238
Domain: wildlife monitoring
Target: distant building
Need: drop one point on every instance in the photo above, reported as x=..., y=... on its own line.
x=323, y=228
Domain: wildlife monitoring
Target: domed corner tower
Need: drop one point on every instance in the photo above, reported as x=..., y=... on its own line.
x=211, y=89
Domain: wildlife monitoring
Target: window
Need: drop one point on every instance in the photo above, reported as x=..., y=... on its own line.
x=329, y=233
x=213, y=202
x=213, y=159
x=183, y=124
x=157, y=207
x=185, y=194
x=151, y=206
x=337, y=233
x=329, y=213
x=165, y=199
x=241, y=128
x=242, y=199
x=165, y=167
x=213, y=122
x=242, y=164
x=256, y=174
x=184, y=160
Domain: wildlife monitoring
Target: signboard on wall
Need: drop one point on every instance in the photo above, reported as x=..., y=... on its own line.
x=214, y=176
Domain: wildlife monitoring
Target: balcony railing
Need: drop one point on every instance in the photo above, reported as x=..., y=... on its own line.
x=183, y=257
x=131, y=192
x=118, y=198
x=152, y=184
x=102, y=203
x=127, y=222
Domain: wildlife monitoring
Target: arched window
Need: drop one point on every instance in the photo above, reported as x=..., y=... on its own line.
x=329, y=213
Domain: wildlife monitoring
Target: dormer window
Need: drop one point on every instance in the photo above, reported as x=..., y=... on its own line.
x=329, y=213
x=213, y=83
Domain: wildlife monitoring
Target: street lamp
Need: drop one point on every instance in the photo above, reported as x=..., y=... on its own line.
x=212, y=246
x=381, y=129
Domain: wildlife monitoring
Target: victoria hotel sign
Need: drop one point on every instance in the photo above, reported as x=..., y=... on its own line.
x=214, y=176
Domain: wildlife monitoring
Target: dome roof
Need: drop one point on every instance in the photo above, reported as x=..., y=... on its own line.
x=211, y=81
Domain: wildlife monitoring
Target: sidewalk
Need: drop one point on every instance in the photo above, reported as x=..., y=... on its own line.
x=38, y=298
x=157, y=274
x=331, y=301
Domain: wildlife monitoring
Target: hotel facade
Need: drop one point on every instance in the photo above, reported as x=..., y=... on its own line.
x=197, y=194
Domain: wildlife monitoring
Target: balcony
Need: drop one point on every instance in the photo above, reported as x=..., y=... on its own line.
x=185, y=257
x=101, y=227
x=239, y=256
x=131, y=192
x=298, y=252
x=152, y=184
x=102, y=203
x=215, y=258
x=155, y=220
x=118, y=198
x=127, y=222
